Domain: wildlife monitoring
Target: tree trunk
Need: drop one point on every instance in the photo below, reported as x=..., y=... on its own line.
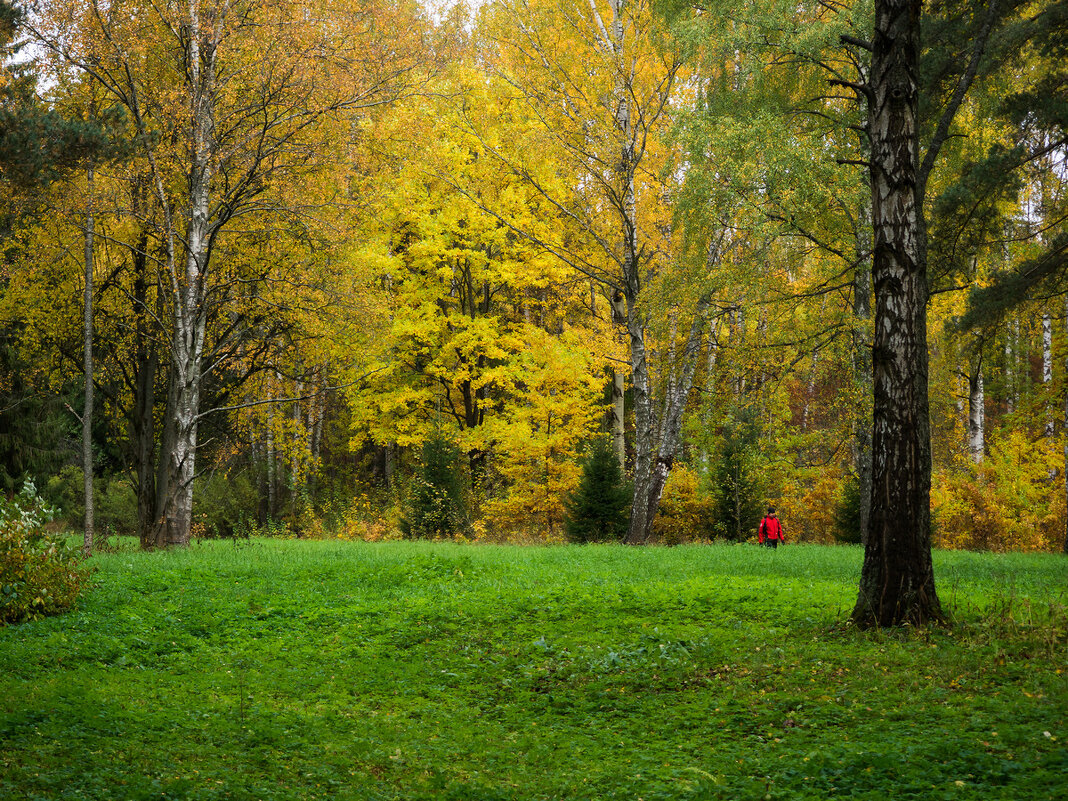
x=1047, y=369
x=178, y=513
x=272, y=469
x=1011, y=395
x=650, y=477
x=619, y=440
x=641, y=524
x=142, y=418
x=87, y=340
x=163, y=475
x=897, y=578
x=976, y=404
x=143, y=438
x=190, y=288
x=862, y=369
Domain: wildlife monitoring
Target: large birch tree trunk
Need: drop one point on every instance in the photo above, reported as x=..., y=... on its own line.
x=190, y=287
x=897, y=578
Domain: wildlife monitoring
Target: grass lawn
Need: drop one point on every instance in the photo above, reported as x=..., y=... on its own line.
x=304, y=670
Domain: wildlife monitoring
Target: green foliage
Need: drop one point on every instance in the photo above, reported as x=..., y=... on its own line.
x=283, y=670
x=598, y=510
x=115, y=508
x=225, y=505
x=437, y=506
x=987, y=305
x=114, y=501
x=847, y=512
x=737, y=479
x=39, y=572
x=35, y=429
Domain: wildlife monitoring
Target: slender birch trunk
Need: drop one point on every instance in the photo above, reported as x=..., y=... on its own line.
x=1047, y=369
x=976, y=412
x=1011, y=395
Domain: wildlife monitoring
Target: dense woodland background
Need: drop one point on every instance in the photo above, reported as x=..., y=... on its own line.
x=336, y=253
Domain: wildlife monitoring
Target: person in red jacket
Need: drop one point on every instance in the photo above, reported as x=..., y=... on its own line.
x=770, y=531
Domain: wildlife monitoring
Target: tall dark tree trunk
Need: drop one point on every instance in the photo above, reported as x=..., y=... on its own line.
x=897, y=579
x=143, y=434
x=87, y=340
x=156, y=536
x=142, y=420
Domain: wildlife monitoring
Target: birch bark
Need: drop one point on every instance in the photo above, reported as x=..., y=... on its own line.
x=897, y=577
x=976, y=415
x=1047, y=368
x=190, y=318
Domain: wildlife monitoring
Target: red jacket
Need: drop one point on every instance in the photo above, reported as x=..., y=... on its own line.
x=771, y=529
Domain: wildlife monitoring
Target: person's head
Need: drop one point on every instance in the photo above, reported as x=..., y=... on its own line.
x=771, y=511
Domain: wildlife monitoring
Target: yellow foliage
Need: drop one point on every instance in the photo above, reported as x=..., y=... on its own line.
x=686, y=512
x=1013, y=501
x=535, y=438
x=362, y=518
x=807, y=507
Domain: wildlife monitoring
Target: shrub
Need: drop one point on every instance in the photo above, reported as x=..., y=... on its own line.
x=40, y=573
x=1013, y=501
x=225, y=505
x=436, y=506
x=598, y=510
x=687, y=510
x=65, y=493
x=114, y=501
x=116, y=506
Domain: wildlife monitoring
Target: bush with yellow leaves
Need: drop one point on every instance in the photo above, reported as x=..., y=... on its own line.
x=1012, y=501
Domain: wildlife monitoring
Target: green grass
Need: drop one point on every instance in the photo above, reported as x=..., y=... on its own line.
x=304, y=670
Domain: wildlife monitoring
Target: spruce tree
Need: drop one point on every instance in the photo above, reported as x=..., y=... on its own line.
x=598, y=510
x=737, y=485
x=437, y=507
